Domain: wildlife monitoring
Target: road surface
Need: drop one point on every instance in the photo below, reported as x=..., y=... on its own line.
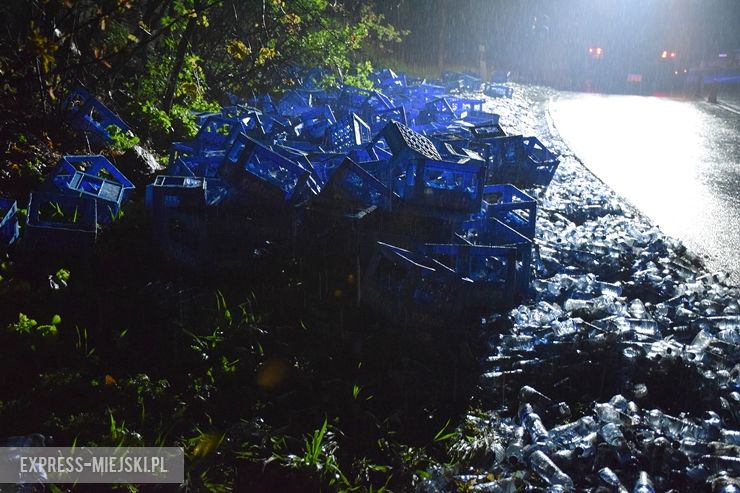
x=677, y=161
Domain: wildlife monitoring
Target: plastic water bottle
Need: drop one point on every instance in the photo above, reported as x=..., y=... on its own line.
x=533, y=424
x=541, y=464
x=643, y=484
x=609, y=477
x=569, y=433
x=533, y=396
x=514, y=451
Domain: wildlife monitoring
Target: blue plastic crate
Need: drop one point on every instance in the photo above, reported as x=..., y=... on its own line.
x=179, y=217
x=376, y=101
x=59, y=222
x=263, y=173
x=457, y=135
x=213, y=138
x=412, y=290
x=184, y=192
x=324, y=165
x=511, y=206
x=273, y=126
x=470, y=82
x=264, y=103
x=440, y=185
x=428, y=91
x=236, y=111
x=293, y=104
x=388, y=79
x=498, y=91
x=522, y=161
x=315, y=123
x=492, y=269
x=542, y=163
x=485, y=127
x=297, y=147
x=109, y=195
x=405, y=143
x=492, y=232
x=202, y=116
x=9, y=228
x=350, y=185
x=465, y=106
x=351, y=99
x=206, y=166
x=197, y=225
x=453, y=150
x=348, y=132
x=326, y=96
x=379, y=119
x=437, y=111
x=94, y=165
x=86, y=114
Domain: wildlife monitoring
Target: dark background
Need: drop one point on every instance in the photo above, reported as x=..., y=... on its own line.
x=547, y=41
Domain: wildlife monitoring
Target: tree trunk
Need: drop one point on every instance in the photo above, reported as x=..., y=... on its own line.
x=182, y=48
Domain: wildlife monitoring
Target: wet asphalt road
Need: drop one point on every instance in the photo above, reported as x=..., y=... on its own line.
x=676, y=161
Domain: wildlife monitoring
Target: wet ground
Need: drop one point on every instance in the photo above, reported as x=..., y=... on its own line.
x=619, y=314
x=676, y=161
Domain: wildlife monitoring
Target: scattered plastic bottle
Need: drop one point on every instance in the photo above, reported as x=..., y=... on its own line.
x=643, y=484
x=541, y=464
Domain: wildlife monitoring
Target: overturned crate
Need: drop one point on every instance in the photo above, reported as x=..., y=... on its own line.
x=315, y=122
x=95, y=165
x=194, y=228
x=378, y=119
x=214, y=137
x=498, y=91
x=494, y=233
x=87, y=114
x=9, y=227
x=412, y=290
x=350, y=131
x=522, y=161
x=353, y=188
x=512, y=207
x=100, y=181
x=265, y=177
x=59, y=222
x=440, y=186
x=492, y=270
x=108, y=195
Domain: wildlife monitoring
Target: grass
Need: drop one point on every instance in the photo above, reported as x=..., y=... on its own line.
x=154, y=356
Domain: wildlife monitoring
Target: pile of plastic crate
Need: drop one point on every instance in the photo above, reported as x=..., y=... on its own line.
x=417, y=185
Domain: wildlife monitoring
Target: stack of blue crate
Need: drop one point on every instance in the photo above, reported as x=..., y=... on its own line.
x=429, y=178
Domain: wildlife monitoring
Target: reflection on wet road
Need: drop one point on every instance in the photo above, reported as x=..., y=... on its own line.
x=676, y=161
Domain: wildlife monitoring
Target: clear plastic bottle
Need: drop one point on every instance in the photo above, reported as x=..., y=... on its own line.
x=533, y=424
x=612, y=434
x=730, y=436
x=541, y=464
x=643, y=484
x=607, y=413
x=533, y=396
x=610, y=478
x=571, y=432
x=515, y=450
